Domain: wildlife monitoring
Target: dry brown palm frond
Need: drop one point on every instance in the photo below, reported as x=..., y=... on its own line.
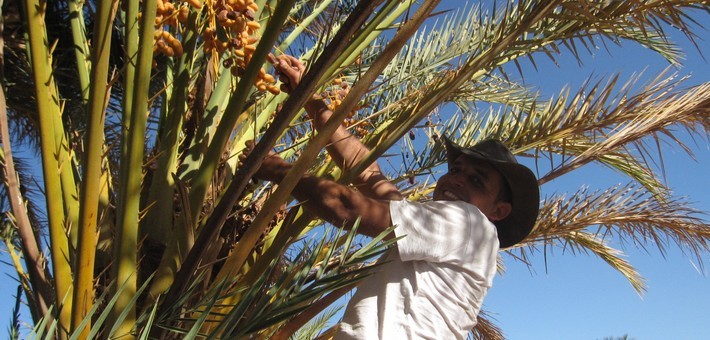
x=629, y=214
x=626, y=212
x=586, y=23
x=595, y=124
x=486, y=328
x=649, y=114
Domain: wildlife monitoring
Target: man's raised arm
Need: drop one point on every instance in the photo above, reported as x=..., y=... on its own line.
x=345, y=149
x=329, y=200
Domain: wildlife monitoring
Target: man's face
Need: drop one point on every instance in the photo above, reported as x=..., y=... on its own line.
x=475, y=182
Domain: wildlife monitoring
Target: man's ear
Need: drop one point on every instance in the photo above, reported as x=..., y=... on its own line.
x=501, y=211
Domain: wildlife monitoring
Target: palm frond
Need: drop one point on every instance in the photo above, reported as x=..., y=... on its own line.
x=14, y=327
x=280, y=294
x=628, y=214
x=597, y=124
x=624, y=123
x=426, y=58
x=486, y=328
x=316, y=326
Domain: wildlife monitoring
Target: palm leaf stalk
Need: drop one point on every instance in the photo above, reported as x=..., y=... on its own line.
x=203, y=133
x=91, y=179
x=298, y=29
x=41, y=296
x=81, y=46
x=383, y=19
x=54, y=155
x=126, y=244
x=125, y=199
x=24, y=280
x=162, y=185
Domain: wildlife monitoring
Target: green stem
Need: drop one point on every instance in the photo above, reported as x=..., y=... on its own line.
x=81, y=52
x=52, y=155
x=129, y=210
x=389, y=12
x=162, y=186
x=81, y=46
x=214, y=109
x=301, y=26
x=91, y=179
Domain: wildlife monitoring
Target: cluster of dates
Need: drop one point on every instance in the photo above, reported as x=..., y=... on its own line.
x=333, y=97
x=168, y=15
x=238, y=36
x=230, y=29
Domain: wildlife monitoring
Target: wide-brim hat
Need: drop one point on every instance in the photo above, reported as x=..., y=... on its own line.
x=525, y=192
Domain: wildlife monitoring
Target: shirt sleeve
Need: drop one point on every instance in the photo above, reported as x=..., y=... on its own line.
x=452, y=232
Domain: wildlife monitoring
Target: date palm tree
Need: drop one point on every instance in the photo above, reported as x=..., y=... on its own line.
x=137, y=111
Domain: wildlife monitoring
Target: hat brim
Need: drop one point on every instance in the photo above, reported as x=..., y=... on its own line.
x=525, y=194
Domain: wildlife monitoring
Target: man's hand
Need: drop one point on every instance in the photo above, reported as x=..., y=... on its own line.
x=289, y=71
x=273, y=168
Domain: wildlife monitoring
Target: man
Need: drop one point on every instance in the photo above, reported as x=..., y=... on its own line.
x=433, y=283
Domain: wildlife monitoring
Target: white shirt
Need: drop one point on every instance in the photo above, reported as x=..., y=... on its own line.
x=433, y=283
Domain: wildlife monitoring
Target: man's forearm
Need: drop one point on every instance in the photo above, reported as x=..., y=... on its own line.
x=347, y=151
x=338, y=204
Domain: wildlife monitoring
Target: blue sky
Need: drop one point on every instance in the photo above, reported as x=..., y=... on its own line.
x=579, y=296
